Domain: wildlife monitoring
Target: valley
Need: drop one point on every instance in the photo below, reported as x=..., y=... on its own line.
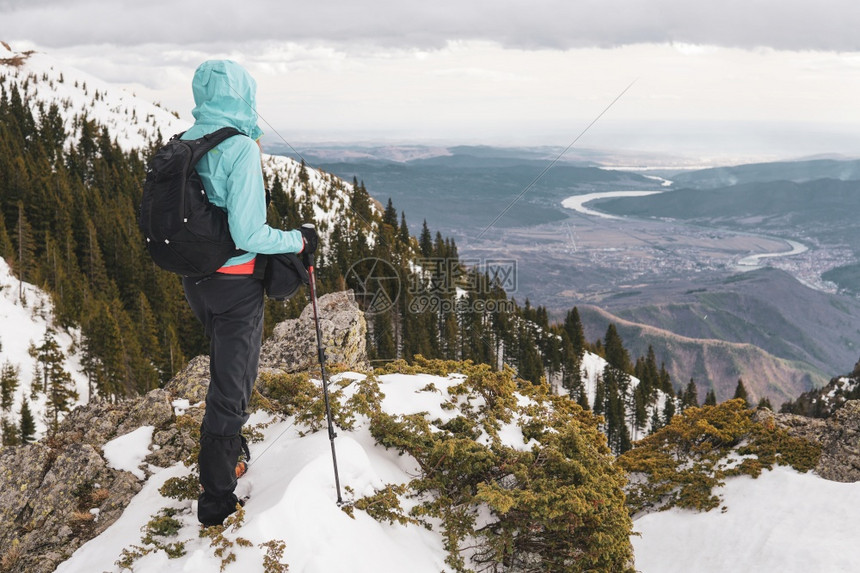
x=741, y=265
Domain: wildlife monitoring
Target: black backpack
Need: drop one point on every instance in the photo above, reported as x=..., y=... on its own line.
x=185, y=233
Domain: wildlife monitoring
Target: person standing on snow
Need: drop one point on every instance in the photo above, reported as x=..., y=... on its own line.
x=229, y=303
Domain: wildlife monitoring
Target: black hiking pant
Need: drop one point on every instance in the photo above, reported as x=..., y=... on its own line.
x=231, y=311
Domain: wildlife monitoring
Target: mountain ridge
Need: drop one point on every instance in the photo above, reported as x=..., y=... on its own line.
x=713, y=363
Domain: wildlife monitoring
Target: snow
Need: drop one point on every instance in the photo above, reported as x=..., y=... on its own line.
x=127, y=451
x=783, y=521
x=24, y=320
x=132, y=121
x=290, y=482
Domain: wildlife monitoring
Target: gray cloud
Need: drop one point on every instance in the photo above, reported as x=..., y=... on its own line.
x=558, y=24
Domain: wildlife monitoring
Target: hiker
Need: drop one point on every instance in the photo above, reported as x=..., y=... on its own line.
x=229, y=302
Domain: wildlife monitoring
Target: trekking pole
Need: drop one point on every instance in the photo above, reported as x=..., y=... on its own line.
x=308, y=260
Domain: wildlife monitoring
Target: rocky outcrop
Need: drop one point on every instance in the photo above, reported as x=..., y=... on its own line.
x=293, y=345
x=838, y=435
x=57, y=494
x=60, y=492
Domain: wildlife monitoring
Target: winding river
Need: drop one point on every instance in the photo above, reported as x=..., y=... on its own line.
x=577, y=203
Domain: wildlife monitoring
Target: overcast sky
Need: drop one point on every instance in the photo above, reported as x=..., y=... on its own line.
x=729, y=77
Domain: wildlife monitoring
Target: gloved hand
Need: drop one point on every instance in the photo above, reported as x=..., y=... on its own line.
x=309, y=234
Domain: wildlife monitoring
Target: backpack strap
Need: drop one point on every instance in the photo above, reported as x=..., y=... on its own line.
x=203, y=145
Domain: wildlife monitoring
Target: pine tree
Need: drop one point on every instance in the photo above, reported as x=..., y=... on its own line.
x=403, y=231
x=669, y=409
x=573, y=327
x=616, y=354
x=711, y=398
x=8, y=384
x=640, y=409
x=27, y=424
x=571, y=377
x=425, y=242
x=765, y=403
x=690, y=397
x=741, y=392
x=25, y=251
x=9, y=434
x=383, y=337
x=389, y=216
x=58, y=384
x=665, y=381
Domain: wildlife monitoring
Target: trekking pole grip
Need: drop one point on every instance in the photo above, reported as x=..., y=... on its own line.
x=308, y=258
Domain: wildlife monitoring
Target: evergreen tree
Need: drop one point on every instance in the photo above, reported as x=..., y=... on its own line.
x=571, y=377
x=25, y=251
x=58, y=384
x=741, y=392
x=765, y=403
x=7, y=250
x=529, y=366
x=616, y=354
x=665, y=381
x=9, y=433
x=648, y=373
x=27, y=423
x=383, y=337
x=669, y=409
x=8, y=384
x=640, y=409
x=690, y=396
x=389, y=216
x=711, y=398
x=425, y=241
x=403, y=232
x=50, y=358
x=656, y=420
x=360, y=203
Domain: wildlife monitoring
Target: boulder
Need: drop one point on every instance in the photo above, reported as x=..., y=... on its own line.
x=293, y=345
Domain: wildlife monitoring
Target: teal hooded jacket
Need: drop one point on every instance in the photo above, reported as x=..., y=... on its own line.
x=225, y=95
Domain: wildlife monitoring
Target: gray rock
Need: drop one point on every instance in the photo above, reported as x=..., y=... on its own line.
x=192, y=382
x=45, y=498
x=838, y=435
x=293, y=345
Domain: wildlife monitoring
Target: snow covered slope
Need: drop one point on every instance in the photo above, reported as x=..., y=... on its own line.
x=24, y=319
x=293, y=498
x=132, y=121
x=784, y=521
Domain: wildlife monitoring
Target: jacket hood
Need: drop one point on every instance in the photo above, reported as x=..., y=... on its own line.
x=226, y=94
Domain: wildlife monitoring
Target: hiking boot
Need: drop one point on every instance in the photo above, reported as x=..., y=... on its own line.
x=214, y=510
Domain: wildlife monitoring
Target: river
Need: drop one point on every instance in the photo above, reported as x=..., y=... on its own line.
x=577, y=203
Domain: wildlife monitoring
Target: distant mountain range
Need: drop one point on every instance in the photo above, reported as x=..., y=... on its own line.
x=796, y=171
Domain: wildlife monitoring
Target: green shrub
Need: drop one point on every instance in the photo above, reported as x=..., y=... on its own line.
x=556, y=505
x=681, y=464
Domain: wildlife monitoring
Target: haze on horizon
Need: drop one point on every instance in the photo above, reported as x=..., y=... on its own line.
x=772, y=79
